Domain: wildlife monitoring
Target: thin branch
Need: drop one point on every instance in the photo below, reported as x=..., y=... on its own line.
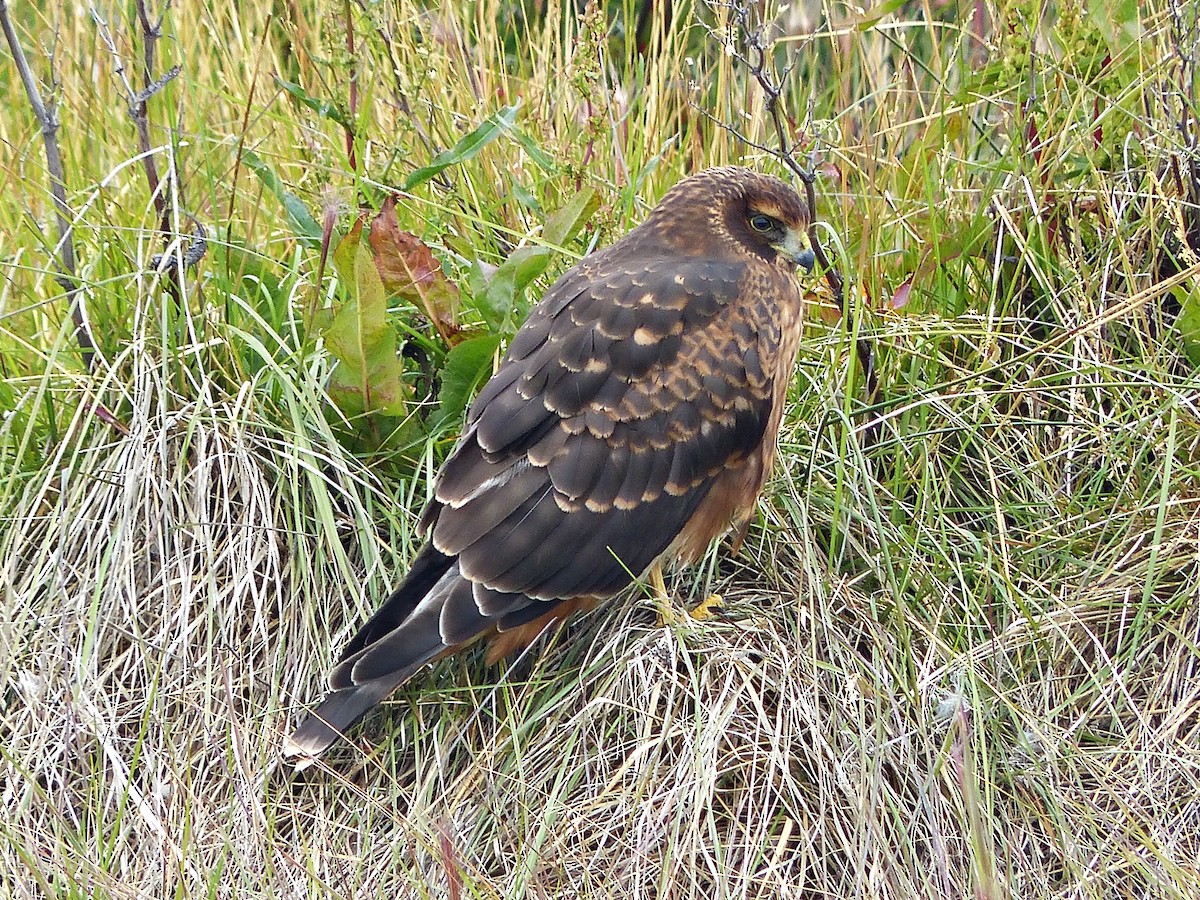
x=352, y=55
x=151, y=32
x=138, y=107
x=753, y=55
x=138, y=101
x=64, y=252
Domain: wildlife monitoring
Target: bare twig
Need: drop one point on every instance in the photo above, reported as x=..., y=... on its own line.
x=746, y=39
x=64, y=251
x=151, y=32
x=353, y=99
x=138, y=99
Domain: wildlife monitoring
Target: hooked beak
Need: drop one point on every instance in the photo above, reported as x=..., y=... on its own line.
x=796, y=248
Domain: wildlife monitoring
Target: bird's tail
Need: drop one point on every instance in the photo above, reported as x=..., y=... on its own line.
x=335, y=715
x=399, y=639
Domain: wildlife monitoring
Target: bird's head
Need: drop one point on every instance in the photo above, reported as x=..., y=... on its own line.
x=768, y=217
x=738, y=209
x=781, y=229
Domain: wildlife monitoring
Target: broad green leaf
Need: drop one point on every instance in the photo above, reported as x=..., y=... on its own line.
x=527, y=263
x=511, y=279
x=467, y=366
x=563, y=224
x=492, y=127
x=369, y=376
x=305, y=227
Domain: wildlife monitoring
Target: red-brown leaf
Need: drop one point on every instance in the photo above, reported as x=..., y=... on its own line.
x=409, y=270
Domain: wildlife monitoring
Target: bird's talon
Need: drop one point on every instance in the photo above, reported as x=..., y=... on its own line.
x=664, y=613
x=667, y=614
x=708, y=608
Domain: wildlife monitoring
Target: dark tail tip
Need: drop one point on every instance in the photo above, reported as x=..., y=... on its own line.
x=333, y=717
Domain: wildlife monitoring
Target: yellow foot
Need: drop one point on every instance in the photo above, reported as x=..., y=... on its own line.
x=664, y=611
x=708, y=608
x=667, y=614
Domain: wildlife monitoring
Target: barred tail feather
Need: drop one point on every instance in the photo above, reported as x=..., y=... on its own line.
x=400, y=638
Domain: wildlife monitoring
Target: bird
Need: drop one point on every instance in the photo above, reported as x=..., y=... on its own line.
x=632, y=421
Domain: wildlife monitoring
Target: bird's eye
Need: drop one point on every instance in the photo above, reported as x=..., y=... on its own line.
x=761, y=223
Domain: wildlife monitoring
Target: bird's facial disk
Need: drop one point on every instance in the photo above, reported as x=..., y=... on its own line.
x=789, y=239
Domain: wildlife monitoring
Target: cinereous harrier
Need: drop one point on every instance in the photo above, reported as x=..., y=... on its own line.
x=633, y=419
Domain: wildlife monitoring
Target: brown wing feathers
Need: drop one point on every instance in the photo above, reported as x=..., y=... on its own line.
x=633, y=388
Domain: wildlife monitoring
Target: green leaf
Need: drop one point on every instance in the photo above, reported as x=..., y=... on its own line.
x=492, y=127
x=872, y=17
x=369, y=376
x=305, y=227
x=1188, y=324
x=563, y=224
x=527, y=263
x=540, y=157
x=510, y=280
x=1118, y=22
x=525, y=197
x=467, y=366
x=322, y=108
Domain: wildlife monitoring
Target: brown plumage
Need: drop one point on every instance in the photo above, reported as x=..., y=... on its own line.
x=634, y=418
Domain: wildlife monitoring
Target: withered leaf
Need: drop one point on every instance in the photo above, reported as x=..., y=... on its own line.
x=409, y=270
